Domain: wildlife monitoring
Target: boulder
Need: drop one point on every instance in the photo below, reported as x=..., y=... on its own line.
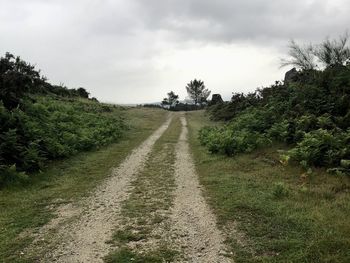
x=215, y=99
x=290, y=76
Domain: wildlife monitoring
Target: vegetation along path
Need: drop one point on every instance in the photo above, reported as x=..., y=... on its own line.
x=150, y=210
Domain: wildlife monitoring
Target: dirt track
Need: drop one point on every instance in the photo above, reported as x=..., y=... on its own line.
x=193, y=221
x=85, y=239
x=83, y=229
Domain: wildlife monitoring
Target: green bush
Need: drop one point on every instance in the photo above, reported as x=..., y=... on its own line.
x=311, y=114
x=231, y=141
x=41, y=122
x=52, y=128
x=322, y=148
x=279, y=131
x=9, y=174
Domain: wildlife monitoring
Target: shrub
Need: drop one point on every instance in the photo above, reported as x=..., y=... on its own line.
x=230, y=141
x=209, y=136
x=310, y=112
x=57, y=123
x=53, y=128
x=9, y=174
x=279, y=131
x=322, y=148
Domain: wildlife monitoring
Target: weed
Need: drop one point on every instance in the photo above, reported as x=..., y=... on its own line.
x=280, y=190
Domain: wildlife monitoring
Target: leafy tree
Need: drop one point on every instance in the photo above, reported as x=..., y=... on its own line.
x=165, y=102
x=197, y=91
x=83, y=93
x=19, y=78
x=171, y=100
x=16, y=78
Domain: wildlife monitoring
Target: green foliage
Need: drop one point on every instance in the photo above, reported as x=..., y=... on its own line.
x=310, y=113
x=54, y=128
x=83, y=93
x=16, y=78
x=322, y=148
x=279, y=131
x=171, y=100
x=237, y=137
x=9, y=174
x=277, y=216
x=19, y=78
x=197, y=91
x=36, y=128
x=345, y=163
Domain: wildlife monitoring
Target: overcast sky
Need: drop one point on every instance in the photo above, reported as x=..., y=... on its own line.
x=135, y=51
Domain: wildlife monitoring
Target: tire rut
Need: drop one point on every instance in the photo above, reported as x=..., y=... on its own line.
x=193, y=222
x=84, y=240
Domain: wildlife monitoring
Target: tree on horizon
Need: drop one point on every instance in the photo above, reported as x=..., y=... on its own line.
x=171, y=100
x=197, y=91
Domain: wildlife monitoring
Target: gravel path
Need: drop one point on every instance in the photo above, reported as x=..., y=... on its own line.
x=193, y=222
x=85, y=239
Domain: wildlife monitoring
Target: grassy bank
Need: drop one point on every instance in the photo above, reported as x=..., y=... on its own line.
x=271, y=212
x=23, y=209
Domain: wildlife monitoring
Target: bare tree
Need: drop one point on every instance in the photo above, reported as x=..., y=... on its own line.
x=329, y=53
x=302, y=57
x=334, y=52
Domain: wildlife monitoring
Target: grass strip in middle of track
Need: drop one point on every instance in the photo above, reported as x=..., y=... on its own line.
x=142, y=234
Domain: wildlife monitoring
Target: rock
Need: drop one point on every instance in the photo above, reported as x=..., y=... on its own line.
x=215, y=99
x=290, y=76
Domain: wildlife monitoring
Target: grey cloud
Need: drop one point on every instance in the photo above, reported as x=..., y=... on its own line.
x=227, y=20
x=110, y=46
